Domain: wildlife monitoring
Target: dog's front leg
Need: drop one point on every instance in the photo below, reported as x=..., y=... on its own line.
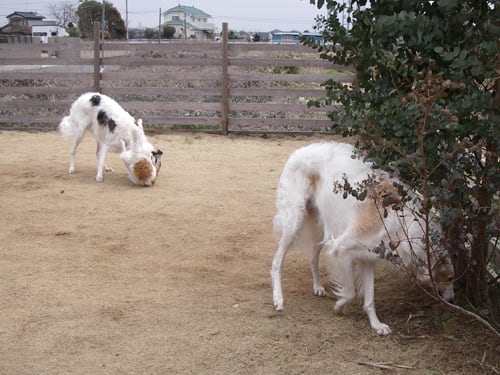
x=102, y=150
x=346, y=292
x=368, y=275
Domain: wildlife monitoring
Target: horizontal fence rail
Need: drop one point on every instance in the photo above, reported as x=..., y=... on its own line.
x=211, y=86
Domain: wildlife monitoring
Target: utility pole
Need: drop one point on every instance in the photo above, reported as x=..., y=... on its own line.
x=103, y=28
x=126, y=17
x=103, y=24
x=159, y=27
x=185, y=31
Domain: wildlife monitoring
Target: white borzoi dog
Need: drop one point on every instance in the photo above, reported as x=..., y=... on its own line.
x=115, y=130
x=311, y=214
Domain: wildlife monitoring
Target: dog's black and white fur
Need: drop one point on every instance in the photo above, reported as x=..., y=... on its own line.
x=114, y=130
x=311, y=215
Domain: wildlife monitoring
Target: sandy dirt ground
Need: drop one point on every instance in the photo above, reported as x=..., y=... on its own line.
x=111, y=278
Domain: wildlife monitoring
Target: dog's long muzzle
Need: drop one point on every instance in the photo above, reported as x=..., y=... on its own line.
x=447, y=294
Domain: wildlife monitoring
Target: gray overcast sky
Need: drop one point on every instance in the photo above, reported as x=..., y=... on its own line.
x=247, y=15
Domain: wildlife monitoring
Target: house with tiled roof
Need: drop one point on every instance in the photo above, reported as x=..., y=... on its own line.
x=189, y=22
x=20, y=23
x=31, y=24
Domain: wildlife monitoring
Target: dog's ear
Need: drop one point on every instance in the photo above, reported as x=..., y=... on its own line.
x=137, y=137
x=158, y=155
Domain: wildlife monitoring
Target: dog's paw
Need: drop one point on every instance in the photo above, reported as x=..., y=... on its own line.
x=340, y=305
x=382, y=329
x=108, y=169
x=277, y=299
x=319, y=291
x=278, y=304
x=99, y=178
x=339, y=310
x=71, y=170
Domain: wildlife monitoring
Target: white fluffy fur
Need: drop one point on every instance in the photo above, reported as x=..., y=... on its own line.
x=310, y=215
x=114, y=130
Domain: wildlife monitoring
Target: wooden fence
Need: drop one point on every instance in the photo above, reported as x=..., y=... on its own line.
x=211, y=86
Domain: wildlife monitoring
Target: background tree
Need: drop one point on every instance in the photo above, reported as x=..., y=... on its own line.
x=151, y=33
x=91, y=11
x=168, y=32
x=64, y=13
x=72, y=30
x=233, y=35
x=426, y=106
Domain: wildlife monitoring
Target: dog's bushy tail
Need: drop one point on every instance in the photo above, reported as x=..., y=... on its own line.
x=66, y=128
x=292, y=197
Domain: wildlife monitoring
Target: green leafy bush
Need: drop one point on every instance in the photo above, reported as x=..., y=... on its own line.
x=426, y=106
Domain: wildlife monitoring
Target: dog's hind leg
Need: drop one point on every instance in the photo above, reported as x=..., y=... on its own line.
x=289, y=223
x=72, y=153
x=71, y=129
x=368, y=280
x=311, y=237
x=284, y=245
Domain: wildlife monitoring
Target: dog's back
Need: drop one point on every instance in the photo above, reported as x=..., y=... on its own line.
x=91, y=111
x=307, y=182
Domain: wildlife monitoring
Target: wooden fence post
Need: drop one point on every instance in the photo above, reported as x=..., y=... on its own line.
x=97, y=58
x=224, y=97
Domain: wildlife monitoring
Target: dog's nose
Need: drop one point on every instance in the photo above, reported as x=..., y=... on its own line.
x=447, y=299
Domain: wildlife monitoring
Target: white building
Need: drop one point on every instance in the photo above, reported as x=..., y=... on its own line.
x=189, y=22
x=46, y=29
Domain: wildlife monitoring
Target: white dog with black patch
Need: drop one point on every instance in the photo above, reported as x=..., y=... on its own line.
x=311, y=214
x=114, y=130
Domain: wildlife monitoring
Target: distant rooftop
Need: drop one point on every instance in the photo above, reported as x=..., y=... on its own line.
x=190, y=10
x=27, y=15
x=44, y=23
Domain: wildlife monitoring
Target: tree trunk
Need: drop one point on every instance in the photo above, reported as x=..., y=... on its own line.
x=477, y=281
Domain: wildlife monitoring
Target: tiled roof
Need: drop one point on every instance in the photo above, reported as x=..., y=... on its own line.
x=190, y=10
x=43, y=23
x=27, y=15
x=180, y=23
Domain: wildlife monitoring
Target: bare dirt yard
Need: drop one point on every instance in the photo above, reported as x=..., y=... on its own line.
x=111, y=278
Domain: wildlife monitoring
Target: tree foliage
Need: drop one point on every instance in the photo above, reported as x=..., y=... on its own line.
x=151, y=33
x=168, y=32
x=91, y=11
x=426, y=106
